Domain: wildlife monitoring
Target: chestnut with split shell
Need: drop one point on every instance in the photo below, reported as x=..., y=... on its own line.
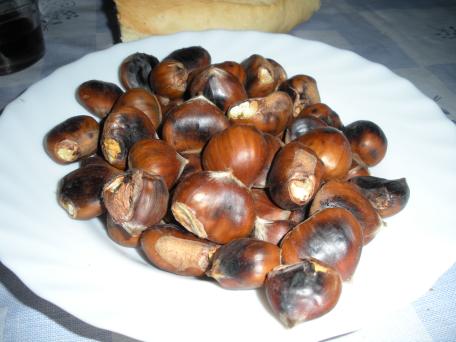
x=280, y=74
x=121, y=130
x=214, y=206
x=303, y=91
x=270, y=114
x=333, y=149
x=368, y=142
x=136, y=200
x=241, y=149
x=295, y=176
x=244, y=263
x=302, y=291
x=175, y=250
x=346, y=195
x=157, y=157
x=331, y=235
x=169, y=79
x=98, y=97
x=135, y=69
x=72, y=139
x=261, y=78
x=274, y=144
x=192, y=57
x=271, y=231
x=387, y=196
x=235, y=69
x=190, y=125
x=119, y=235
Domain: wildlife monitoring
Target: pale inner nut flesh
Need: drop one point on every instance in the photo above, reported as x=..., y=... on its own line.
x=244, y=110
x=264, y=76
x=68, y=150
x=112, y=149
x=301, y=190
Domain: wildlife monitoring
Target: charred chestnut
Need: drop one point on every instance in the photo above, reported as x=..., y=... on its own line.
x=193, y=57
x=302, y=90
x=135, y=70
x=244, y=263
x=98, y=97
x=302, y=291
x=300, y=125
x=175, y=250
x=324, y=113
x=169, y=79
x=235, y=69
x=280, y=74
x=72, y=139
x=214, y=206
x=261, y=78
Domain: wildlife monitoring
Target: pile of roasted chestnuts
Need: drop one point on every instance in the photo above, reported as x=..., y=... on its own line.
x=233, y=171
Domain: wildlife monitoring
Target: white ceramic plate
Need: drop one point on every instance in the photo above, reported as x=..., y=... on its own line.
x=74, y=265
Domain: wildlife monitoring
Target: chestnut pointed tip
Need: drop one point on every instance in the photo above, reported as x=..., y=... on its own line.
x=187, y=217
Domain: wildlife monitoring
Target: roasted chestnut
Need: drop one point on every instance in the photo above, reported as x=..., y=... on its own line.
x=346, y=195
x=98, y=97
x=274, y=144
x=244, y=263
x=121, y=130
x=302, y=291
x=265, y=208
x=135, y=70
x=72, y=139
x=191, y=124
x=193, y=57
x=143, y=100
x=269, y=114
x=167, y=104
x=322, y=112
x=241, y=149
x=331, y=235
x=169, y=79
x=302, y=90
x=271, y=231
x=214, y=206
x=193, y=163
x=80, y=191
x=136, y=200
x=235, y=69
x=388, y=197
x=356, y=170
x=119, y=235
x=280, y=74
x=300, y=125
x=261, y=78
x=175, y=250
x=367, y=141
x=333, y=149
x=295, y=176
x=218, y=86
x=157, y=157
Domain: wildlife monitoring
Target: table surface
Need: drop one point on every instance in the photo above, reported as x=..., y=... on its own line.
x=415, y=39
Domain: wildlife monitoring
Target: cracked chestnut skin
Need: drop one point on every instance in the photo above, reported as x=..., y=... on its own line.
x=261, y=78
x=302, y=291
x=98, y=97
x=303, y=91
x=244, y=263
x=271, y=231
x=192, y=57
x=169, y=79
x=135, y=69
x=331, y=235
x=72, y=139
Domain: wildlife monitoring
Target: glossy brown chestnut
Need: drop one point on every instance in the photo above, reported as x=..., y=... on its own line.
x=167, y=104
x=300, y=214
x=279, y=72
x=244, y=263
x=193, y=163
x=346, y=195
x=193, y=57
x=388, y=197
x=169, y=79
x=239, y=148
x=136, y=200
x=235, y=69
x=218, y=86
x=302, y=291
x=175, y=250
x=357, y=170
x=303, y=91
x=333, y=149
x=135, y=69
x=332, y=235
x=214, y=206
x=265, y=208
x=143, y=100
x=367, y=141
x=322, y=112
x=121, y=130
x=271, y=231
x=261, y=78
x=72, y=139
x=157, y=157
x=274, y=144
x=98, y=97
x=191, y=124
x=80, y=191
x=295, y=176
x=300, y=125
x=119, y=235
x=270, y=114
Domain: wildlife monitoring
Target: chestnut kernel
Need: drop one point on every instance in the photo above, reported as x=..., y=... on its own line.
x=169, y=79
x=331, y=235
x=302, y=291
x=261, y=78
x=98, y=97
x=244, y=263
x=135, y=69
x=175, y=250
x=136, y=200
x=388, y=197
x=302, y=90
x=214, y=206
x=72, y=139
x=241, y=149
x=119, y=235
